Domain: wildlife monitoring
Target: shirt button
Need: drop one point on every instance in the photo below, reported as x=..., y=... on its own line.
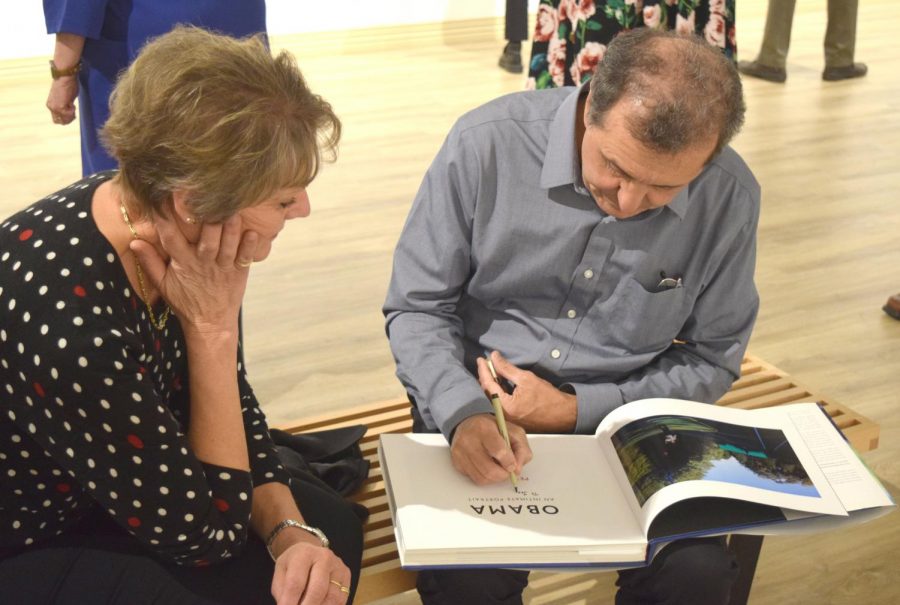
x=589, y=273
x=571, y=313
x=555, y=353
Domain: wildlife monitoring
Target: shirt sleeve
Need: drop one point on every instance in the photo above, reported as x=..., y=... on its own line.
x=81, y=17
x=424, y=332
x=92, y=407
x=715, y=338
x=265, y=465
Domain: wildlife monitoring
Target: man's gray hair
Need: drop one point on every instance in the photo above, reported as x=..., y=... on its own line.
x=684, y=91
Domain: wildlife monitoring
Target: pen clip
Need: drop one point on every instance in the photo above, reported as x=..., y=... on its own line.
x=667, y=283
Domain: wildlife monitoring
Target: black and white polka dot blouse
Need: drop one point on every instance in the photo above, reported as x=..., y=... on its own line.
x=94, y=399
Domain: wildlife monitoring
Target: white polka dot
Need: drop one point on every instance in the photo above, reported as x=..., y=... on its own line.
x=83, y=362
x=88, y=261
x=61, y=343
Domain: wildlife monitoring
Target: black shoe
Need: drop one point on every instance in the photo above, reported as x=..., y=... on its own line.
x=892, y=307
x=833, y=74
x=511, y=59
x=764, y=72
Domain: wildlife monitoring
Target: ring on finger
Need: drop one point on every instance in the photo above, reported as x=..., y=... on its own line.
x=243, y=264
x=341, y=587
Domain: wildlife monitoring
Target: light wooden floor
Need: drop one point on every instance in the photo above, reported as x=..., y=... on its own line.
x=827, y=155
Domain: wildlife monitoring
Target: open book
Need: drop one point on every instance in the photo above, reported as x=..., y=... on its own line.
x=655, y=471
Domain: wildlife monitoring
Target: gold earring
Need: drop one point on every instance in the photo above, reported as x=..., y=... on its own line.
x=190, y=219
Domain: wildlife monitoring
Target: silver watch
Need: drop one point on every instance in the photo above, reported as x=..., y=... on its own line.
x=292, y=523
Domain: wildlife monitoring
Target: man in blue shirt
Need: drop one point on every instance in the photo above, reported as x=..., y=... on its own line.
x=601, y=243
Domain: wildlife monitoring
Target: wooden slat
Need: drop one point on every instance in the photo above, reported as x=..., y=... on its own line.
x=760, y=385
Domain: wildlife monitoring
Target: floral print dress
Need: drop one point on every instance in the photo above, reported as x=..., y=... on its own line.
x=570, y=36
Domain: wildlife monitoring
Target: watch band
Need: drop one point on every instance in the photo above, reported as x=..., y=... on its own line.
x=292, y=523
x=57, y=73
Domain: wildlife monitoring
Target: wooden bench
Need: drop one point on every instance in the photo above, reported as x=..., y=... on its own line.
x=760, y=385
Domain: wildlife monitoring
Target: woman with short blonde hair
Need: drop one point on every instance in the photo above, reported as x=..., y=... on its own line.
x=140, y=467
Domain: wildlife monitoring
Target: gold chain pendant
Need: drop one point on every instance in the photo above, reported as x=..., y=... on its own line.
x=160, y=323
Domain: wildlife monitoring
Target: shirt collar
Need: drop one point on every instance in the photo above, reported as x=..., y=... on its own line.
x=561, y=164
x=561, y=159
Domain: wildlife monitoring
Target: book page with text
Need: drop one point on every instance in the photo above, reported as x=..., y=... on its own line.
x=563, y=499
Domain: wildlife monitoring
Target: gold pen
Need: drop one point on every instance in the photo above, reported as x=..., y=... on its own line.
x=498, y=415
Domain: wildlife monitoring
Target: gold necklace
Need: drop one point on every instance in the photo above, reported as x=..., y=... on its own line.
x=161, y=322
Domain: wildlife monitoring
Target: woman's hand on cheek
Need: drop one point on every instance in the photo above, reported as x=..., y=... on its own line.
x=203, y=281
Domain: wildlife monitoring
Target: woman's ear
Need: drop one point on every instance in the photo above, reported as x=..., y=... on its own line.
x=180, y=198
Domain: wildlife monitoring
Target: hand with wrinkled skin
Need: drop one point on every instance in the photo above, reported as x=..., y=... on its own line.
x=61, y=100
x=303, y=573
x=201, y=281
x=535, y=404
x=479, y=451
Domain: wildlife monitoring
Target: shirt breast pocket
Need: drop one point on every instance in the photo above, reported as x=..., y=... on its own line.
x=642, y=321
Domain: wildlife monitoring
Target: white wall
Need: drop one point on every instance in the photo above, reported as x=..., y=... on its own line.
x=25, y=34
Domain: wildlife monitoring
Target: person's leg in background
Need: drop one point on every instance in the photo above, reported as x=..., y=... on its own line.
x=467, y=586
x=687, y=572
x=840, y=42
x=770, y=63
x=516, y=32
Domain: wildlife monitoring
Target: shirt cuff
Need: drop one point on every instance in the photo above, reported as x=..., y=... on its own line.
x=453, y=406
x=594, y=402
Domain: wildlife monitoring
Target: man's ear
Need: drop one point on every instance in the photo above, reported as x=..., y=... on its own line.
x=587, y=108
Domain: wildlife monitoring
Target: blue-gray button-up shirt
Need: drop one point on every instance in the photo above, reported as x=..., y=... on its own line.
x=504, y=249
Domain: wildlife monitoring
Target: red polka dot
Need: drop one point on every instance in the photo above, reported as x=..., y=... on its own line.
x=176, y=383
x=133, y=303
x=79, y=291
x=221, y=505
x=201, y=563
x=38, y=389
x=135, y=441
x=142, y=370
x=156, y=345
x=25, y=235
x=63, y=488
x=134, y=522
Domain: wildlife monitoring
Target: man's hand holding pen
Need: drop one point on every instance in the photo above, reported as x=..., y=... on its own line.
x=479, y=451
x=535, y=404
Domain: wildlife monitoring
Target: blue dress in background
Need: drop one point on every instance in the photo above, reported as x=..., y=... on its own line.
x=115, y=31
